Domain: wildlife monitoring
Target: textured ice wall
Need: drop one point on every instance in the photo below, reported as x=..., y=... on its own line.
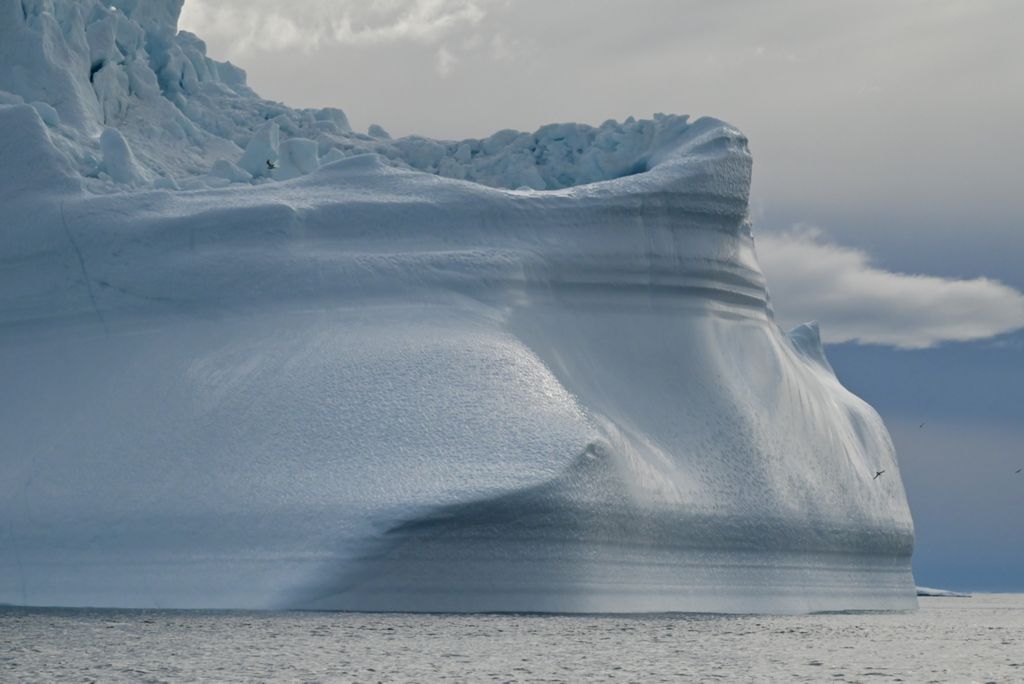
x=371, y=387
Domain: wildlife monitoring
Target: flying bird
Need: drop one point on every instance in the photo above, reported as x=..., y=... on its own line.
x=920, y=426
x=878, y=474
x=271, y=165
x=1017, y=471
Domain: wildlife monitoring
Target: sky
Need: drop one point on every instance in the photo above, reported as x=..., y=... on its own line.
x=888, y=200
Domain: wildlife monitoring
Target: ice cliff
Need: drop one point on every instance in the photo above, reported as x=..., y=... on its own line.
x=537, y=371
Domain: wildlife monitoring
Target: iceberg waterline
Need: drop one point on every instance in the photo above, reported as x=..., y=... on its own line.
x=359, y=381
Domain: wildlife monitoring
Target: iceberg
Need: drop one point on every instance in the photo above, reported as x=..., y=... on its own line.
x=250, y=358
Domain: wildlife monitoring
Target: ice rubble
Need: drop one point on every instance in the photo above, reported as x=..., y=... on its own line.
x=347, y=383
x=124, y=66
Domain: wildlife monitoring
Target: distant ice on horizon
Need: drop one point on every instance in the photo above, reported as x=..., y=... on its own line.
x=928, y=591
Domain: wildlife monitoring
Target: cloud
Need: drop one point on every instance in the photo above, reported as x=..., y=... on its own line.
x=425, y=21
x=445, y=61
x=811, y=279
x=263, y=25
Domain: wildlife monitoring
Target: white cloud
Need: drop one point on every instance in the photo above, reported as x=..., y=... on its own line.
x=811, y=279
x=445, y=61
x=425, y=21
x=263, y=25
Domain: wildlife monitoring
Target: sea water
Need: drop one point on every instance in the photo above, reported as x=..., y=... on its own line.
x=947, y=640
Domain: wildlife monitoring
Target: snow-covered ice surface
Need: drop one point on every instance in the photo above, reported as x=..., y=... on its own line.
x=537, y=371
x=980, y=639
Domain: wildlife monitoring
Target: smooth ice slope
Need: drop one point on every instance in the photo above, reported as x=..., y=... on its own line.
x=359, y=381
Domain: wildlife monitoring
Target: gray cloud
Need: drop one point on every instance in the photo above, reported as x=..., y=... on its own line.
x=269, y=26
x=811, y=279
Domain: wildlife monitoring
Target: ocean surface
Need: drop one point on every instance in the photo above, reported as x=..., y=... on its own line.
x=948, y=640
